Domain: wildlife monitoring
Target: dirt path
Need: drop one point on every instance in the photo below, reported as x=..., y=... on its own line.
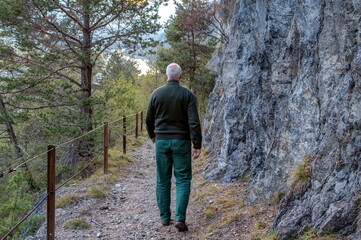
x=129, y=211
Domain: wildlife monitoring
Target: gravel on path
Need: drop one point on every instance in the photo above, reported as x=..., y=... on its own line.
x=129, y=212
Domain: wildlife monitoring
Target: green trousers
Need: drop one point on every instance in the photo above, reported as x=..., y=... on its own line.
x=173, y=154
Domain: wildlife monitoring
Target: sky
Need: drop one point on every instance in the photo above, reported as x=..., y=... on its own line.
x=165, y=12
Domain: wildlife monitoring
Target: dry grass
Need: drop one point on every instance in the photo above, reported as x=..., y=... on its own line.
x=225, y=209
x=67, y=200
x=260, y=236
x=97, y=192
x=300, y=176
x=133, y=143
x=230, y=217
x=277, y=197
x=76, y=223
x=261, y=225
x=359, y=213
x=227, y=203
x=211, y=230
x=312, y=234
x=210, y=211
x=201, y=184
x=85, y=212
x=117, y=163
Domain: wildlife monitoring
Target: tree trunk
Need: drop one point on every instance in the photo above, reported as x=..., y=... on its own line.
x=86, y=86
x=194, y=65
x=9, y=128
x=14, y=141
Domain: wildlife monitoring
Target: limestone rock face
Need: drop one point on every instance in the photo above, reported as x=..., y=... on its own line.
x=288, y=92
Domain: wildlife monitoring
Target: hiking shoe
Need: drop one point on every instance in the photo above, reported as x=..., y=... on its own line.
x=166, y=223
x=181, y=226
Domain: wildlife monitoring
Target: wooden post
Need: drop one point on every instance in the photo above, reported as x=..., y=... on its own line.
x=51, y=194
x=136, y=125
x=124, y=135
x=141, y=121
x=106, y=146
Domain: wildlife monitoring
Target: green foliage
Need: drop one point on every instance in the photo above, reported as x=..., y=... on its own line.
x=191, y=47
x=15, y=202
x=48, y=98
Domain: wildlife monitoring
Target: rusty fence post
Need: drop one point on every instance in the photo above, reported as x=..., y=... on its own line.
x=124, y=135
x=141, y=121
x=51, y=194
x=136, y=125
x=106, y=146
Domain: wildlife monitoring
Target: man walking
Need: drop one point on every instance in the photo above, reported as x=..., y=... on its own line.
x=173, y=124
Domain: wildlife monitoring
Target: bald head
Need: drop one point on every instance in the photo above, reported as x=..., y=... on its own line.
x=173, y=72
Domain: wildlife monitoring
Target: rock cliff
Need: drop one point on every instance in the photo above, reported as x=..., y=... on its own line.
x=286, y=108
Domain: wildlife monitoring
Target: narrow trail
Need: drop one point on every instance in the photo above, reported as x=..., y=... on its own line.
x=130, y=210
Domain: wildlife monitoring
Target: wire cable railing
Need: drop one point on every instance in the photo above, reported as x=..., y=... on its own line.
x=124, y=133
x=77, y=174
x=26, y=217
x=13, y=169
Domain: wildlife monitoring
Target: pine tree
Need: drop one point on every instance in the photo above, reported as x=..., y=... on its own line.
x=57, y=44
x=192, y=41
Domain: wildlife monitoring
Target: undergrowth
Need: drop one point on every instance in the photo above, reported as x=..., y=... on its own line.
x=19, y=193
x=312, y=234
x=76, y=223
x=301, y=175
x=66, y=201
x=224, y=208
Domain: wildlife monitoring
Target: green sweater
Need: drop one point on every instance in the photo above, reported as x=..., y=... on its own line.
x=172, y=114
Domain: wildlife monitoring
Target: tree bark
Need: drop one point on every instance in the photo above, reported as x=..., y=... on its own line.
x=194, y=65
x=10, y=129
x=14, y=141
x=86, y=84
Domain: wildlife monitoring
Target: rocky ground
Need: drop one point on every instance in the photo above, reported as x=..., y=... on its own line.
x=128, y=208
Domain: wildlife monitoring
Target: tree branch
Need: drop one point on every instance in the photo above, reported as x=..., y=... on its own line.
x=101, y=51
x=56, y=27
x=95, y=25
x=28, y=87
x=38, y=108
x=68, y=14
x=53, y=47
x=31, y=62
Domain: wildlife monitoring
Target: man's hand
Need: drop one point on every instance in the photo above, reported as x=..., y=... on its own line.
x=196, y=153
x=153, y=139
